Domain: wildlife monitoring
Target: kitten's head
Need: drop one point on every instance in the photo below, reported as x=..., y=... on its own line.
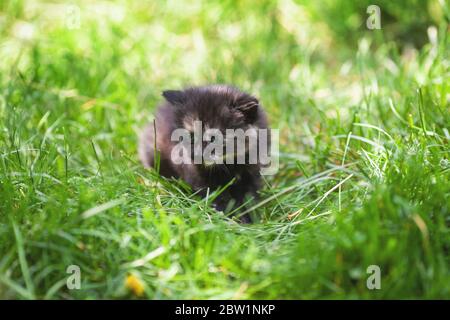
x=218, y=107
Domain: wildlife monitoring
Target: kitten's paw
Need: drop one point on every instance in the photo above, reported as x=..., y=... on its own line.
x=245, y=219
x=217, y=207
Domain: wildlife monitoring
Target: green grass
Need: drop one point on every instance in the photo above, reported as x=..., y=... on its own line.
x=364, y=173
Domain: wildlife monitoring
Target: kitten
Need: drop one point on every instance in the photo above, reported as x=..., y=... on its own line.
x=219, y=107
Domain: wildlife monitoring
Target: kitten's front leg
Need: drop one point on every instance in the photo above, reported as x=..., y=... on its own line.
x=222, y=201
x=244, y=189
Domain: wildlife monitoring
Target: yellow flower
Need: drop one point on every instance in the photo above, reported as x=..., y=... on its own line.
x=134, y=284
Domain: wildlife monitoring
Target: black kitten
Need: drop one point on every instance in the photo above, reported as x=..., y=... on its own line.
x=213, y=107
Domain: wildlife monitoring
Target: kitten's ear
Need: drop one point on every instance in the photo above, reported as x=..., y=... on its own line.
x=249, y=108
x=175, y=97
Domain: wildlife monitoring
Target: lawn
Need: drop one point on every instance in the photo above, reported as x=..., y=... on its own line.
x=364, y=176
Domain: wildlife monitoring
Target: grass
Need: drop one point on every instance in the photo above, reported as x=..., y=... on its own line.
x=364, y=152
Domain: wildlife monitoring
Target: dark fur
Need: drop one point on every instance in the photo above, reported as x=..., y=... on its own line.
x=219, y=106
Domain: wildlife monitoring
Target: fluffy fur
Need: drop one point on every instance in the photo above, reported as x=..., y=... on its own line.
x=217, y=106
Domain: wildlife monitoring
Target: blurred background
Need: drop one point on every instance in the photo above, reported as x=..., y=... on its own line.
x=127, y=51
x=79, y=79
x=103, y=64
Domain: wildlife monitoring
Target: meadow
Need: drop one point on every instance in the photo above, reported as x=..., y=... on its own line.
x=364, y=176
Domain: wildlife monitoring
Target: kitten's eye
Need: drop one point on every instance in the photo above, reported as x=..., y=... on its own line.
x=213, y=138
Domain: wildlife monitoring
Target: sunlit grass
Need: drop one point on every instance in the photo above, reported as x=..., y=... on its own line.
x=364, y=154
